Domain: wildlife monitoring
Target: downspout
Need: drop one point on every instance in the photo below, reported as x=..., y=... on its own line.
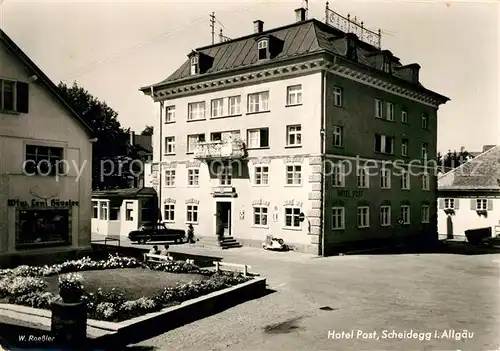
x=323, y=159
x=160, y=185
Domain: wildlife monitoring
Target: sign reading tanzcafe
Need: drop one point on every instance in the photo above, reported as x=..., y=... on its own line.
x=41, y=203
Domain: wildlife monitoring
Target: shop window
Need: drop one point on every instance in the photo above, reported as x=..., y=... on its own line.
x=43, y=226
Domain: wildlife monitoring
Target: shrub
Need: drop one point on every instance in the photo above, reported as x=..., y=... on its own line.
x=174, y=267
x=15, y=286
x=71, y=287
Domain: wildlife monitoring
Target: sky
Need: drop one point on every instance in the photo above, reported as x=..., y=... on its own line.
x=112, y=48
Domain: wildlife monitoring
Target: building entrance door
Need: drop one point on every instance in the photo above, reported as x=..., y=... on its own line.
x=223, y=218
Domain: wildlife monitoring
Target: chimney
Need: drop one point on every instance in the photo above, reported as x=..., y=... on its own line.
x=300, y=14
x=258, y=26
x=132, y=138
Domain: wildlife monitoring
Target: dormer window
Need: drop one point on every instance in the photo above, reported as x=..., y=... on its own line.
x=262, y=49
x=194, y=65
x=387, y=66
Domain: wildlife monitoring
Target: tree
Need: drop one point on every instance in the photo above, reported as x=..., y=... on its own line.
x=112, y=144
x=148, y=130
x=452, y=160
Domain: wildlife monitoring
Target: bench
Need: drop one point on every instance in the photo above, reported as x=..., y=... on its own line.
x=161, y=258
x=157, y=258
x=222, y=266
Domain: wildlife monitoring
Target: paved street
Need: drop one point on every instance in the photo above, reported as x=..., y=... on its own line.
x=420, y=293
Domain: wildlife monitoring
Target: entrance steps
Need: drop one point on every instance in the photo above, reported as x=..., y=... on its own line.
x=228, y=242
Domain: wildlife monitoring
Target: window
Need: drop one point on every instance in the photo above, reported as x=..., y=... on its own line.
x=404, y=117
x=425, y=181
x=169, y=114
x=234, y=103
x=294, y=95
x=425, y=121
x=194, y=65
x=390, y=111
x=225, y=175
x=379, y=107
x=338, y=136
x=385, y=178
x=192, y=214
x=337, y=96
x=292, y=215
x=220, y=136
x=481, y=204
x=387, y=67
x=170, y=145
x=293, y=135
x=129, y=210
x=193, y=141
x=103, y=210
x=217, y=108
x=7, y=96
x=43, y=227
x=114, y=212
x=338, y=175
x=261, y=175
x=294, y=175
x=170, y=177
x=363, y=178
x=169, y=212
x=95, y=209
x=43, y=160
x=405, y=214
x=363, y=217
x=260, y=216
x=384, y=144
x=193, y=176
x=196, y=111
x=405, y=180
x=449, y=204
x=258, y=138
x=262, y=49
x=425, y=214
x=425, y=150
x=258, y=102
x=385, y=216
x=404, y=147
x=338, y=218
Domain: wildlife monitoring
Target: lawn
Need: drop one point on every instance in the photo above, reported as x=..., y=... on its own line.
x=132, y=282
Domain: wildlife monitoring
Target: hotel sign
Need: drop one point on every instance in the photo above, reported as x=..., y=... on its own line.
x=350, y=193
x=42, y=203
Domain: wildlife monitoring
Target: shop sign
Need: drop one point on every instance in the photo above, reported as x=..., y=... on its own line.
x=350, y=193
x=42, y=203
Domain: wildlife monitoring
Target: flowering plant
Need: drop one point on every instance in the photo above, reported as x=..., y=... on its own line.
x=71, y=287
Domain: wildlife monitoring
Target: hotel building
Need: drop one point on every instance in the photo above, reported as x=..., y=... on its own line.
x=45, y=166
x=253, y=132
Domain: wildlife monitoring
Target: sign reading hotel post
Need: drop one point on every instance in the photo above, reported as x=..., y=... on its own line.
x=56, y=203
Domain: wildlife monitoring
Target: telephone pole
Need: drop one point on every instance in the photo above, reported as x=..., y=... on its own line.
x=212, y=25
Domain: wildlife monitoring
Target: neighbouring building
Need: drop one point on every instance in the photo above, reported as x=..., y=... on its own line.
x=469, y=196
x=118, y=212
x=263, y=134
x=45, y=173
x=142, y=149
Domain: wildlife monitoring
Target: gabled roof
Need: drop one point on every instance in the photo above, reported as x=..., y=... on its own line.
x=299, y=39
x=480, y=173
x=42, y=78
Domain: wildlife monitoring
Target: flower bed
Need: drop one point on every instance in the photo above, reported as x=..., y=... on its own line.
x=25, y=285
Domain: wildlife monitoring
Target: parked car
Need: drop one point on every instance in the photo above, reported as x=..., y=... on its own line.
x=159, y=232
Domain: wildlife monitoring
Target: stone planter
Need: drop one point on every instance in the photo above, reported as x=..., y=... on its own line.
x=69, y=323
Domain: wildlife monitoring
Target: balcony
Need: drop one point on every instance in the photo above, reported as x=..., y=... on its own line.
x=222, y=149
x=224, y=191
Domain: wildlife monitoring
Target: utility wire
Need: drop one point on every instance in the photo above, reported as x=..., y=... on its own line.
x=94, y=65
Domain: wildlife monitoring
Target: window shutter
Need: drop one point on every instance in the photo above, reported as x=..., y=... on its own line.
x=473, y=204
x=264, y=137
x=441, y=204
x=22, y=94
x=490, y=204
x=457, y=204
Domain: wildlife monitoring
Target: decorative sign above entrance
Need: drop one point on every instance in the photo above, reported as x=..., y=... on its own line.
x=44, y=203
x=350, y=193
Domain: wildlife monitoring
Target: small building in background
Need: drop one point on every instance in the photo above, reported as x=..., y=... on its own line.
x=118, y=212
x=469, y=196
x=142, y=149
